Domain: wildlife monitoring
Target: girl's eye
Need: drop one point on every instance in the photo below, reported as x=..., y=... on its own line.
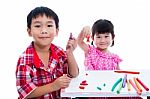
x=49, y=25
x=98, y=37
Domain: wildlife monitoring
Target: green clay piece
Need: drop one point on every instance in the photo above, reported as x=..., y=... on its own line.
x=120, y=87
x=116, y=83
x=99, y=88
x=104, y=84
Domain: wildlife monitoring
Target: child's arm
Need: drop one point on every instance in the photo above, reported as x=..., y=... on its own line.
x=118, y=67
x=61, y=82
x=73, y=70
x=83, y=34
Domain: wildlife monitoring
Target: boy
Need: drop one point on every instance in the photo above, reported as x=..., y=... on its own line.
x=44, y=68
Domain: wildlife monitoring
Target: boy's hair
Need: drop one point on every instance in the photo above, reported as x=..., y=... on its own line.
x=42, y=11
x=103, y=26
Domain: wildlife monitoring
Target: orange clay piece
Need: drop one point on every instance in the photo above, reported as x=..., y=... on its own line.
x=81, y=87
x=137, y=84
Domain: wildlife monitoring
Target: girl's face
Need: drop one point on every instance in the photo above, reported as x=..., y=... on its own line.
x=103, y=41
x=43, y=30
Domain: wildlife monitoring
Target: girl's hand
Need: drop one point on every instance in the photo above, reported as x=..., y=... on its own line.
x=86, y=31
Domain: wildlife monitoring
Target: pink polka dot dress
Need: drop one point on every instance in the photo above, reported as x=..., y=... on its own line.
x=98, y=60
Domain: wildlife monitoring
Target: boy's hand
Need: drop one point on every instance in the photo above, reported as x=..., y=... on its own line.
x=72, y=44
x=62, y=82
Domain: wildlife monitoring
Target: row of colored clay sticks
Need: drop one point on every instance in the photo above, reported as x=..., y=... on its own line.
x=136, y=84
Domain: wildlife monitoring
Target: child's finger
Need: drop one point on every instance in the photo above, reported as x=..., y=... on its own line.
x=87, y=30
x=71, y=36
x=72, y=43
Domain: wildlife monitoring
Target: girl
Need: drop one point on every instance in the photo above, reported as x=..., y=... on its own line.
x=97, y=55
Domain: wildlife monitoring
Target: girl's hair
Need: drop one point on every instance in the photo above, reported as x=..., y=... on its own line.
x=103, y=26
x=42, y=11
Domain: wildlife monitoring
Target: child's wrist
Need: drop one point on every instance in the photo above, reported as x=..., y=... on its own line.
x=69, y=53
x=54, y=86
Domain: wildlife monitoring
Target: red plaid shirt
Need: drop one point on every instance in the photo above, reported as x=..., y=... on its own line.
x=30, y=72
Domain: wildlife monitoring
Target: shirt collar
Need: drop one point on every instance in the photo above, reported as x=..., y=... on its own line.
x=36, y=59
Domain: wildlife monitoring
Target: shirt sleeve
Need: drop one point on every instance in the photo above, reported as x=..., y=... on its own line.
x=23, y=81
x=65, y=64
x=118, y=59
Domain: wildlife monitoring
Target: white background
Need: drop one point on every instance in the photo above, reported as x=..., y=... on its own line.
x=131, y=19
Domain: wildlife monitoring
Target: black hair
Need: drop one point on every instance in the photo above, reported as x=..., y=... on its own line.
x=102, y=26
x=42, y=11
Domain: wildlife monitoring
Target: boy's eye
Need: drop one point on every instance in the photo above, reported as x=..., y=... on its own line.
x=49, y=25
x=106, y=36
x=37, y=26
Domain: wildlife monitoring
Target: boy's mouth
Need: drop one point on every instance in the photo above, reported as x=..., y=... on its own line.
x=44, y=37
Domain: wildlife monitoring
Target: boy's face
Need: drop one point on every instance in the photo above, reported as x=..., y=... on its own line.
x=43, y=30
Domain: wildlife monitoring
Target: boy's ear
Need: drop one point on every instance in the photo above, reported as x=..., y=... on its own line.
x=29, y=32
x=57, y=30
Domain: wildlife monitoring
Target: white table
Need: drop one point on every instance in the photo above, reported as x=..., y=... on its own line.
x=96, y=79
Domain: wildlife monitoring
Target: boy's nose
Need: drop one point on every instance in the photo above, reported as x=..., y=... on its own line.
x=44, y=31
